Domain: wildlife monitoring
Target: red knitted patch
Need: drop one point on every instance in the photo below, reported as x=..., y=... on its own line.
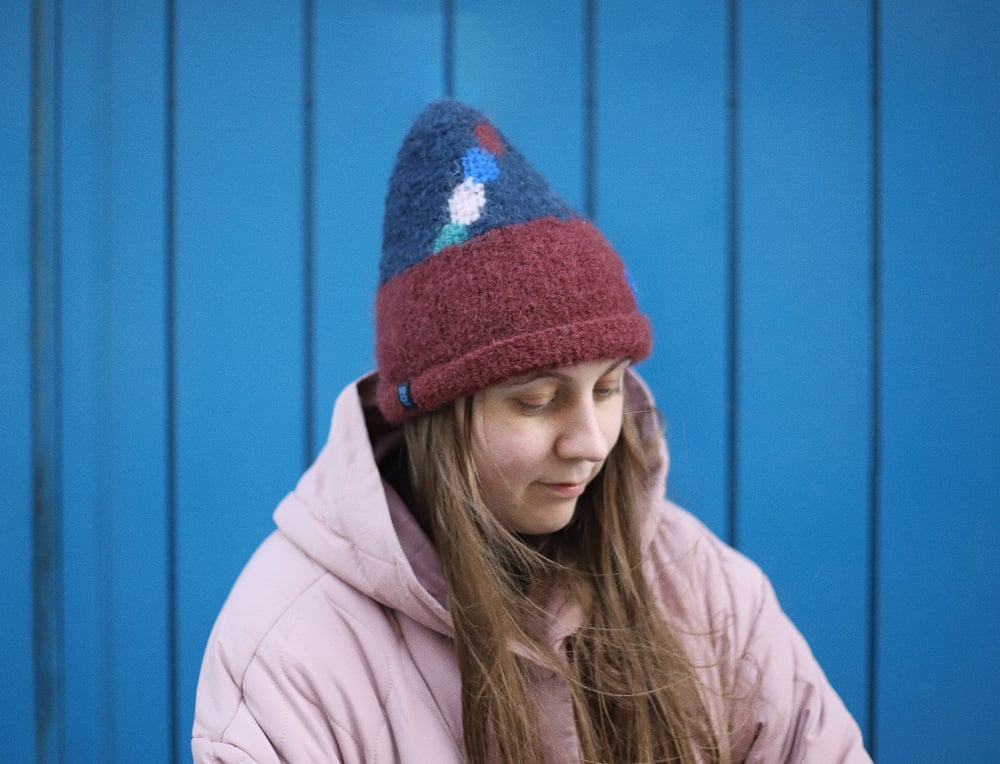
x=538, y=295
x=489, y=139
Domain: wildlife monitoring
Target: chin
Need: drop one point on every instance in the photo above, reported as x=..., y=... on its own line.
x=551, y=523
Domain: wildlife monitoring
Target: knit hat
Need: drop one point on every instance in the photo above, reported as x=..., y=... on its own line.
x=487, y=273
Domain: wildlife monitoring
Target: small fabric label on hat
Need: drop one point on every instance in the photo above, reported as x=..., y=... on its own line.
x=403, y=393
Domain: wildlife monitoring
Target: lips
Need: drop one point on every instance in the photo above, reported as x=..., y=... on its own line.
x=567, y=490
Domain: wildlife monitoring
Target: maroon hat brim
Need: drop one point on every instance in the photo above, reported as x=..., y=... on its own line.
x=537, y=295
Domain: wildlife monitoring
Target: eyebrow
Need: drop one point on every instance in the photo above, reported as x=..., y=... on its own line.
x=555, y=374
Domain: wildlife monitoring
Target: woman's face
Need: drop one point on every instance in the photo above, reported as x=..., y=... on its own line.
x=538, y=440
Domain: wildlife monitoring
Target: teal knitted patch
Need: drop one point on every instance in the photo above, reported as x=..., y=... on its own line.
x=450, y=233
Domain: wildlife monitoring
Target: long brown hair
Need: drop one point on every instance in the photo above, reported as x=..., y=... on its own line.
x=636, y=694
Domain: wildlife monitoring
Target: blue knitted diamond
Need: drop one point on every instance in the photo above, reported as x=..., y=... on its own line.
x=480, y=165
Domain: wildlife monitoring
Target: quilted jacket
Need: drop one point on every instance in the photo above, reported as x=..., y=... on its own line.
x=335, y=643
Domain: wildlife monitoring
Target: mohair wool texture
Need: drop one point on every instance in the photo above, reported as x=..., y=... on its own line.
x=486, y=273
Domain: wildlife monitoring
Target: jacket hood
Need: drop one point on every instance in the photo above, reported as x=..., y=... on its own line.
x=354, y=524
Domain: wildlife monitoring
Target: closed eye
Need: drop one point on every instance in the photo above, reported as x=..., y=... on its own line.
x=608, y=387
x=534, y=406
x=603, y=393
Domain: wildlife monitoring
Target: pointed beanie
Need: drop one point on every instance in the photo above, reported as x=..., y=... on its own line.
x=486, y=272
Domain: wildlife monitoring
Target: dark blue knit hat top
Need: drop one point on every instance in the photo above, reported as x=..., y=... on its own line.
x=453, y=153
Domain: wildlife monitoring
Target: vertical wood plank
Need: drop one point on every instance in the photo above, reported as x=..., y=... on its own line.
x=938, y=696
x=804, y=321
x=46, y=394
x=661, y=180
x=376, y=65
x=134, y=457
x=133, y=454
x=114, y=382
x=522, y=64
x=83, y=192
x=239, y=366
x=15, y=381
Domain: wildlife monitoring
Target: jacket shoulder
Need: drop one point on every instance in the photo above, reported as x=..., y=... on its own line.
x=293, y=647
x=274, y=579
x=702, y=572
x=780, y=705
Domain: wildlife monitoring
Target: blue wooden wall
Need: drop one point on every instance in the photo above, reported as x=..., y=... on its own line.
x=807, y=194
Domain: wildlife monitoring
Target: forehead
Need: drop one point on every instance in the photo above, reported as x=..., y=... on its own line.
x=580, y=372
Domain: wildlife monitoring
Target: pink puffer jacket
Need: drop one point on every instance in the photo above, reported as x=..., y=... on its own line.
x=334, y=644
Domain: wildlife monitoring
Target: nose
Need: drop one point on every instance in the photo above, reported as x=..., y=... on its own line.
x=583, y=435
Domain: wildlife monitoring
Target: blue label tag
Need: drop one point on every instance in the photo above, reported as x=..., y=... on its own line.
x=403, y=393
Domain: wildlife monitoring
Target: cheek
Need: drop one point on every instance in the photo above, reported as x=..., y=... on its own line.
x=495, y=456
x=506, y=457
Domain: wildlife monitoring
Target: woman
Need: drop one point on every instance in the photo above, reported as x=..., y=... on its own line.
x=480, y=565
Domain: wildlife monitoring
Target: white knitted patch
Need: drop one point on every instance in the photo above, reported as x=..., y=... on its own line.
x=467, y=202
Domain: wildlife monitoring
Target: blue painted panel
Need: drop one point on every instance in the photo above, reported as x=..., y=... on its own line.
x=661, y=200
x=938, y=693
x=115, y=535
x=132, y=503
x=804, y=321
x=86, y=616
x=16, y=708
x=521, y=64
x=376, y=65
x=239, y=321
x=46, y=392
